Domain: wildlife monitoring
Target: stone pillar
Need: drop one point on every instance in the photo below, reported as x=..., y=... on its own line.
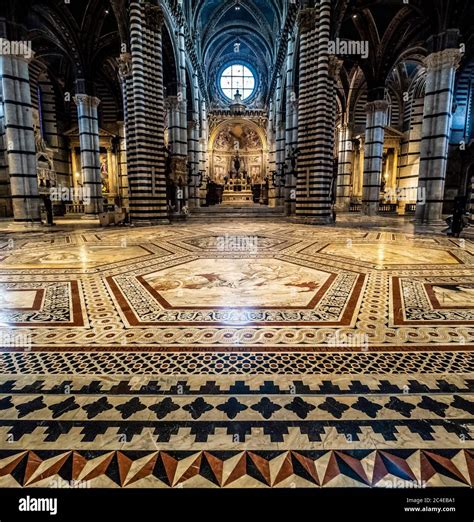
x=335, y=65
x=19, y=138
x=204, y=155
x=194, y=147
x=145, y=107
x=182, y=121
x=112, y=171
x=373, y=156
x=75, y=169
x=122, y=167
x=126, y=128
x=437, y=116
x=193, y=160
x=172, y=107
x=88, y=120
x=279, y=142
x=471, y=203
x=315, y=139
x=291, y=127
x=344, y=169
x=272, y=157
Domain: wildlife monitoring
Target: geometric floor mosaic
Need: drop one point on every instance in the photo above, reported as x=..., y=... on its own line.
x=236, y=355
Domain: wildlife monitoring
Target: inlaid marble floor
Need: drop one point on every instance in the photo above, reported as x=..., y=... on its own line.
x=236, y=354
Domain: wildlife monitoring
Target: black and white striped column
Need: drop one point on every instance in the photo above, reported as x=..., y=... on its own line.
x=373, y=158
x=344, y=168
x=204, y=153
x=437, y=117
x=88, y=121
x=291, y=127
x=19, y=138
x=193, y=147
x=145, y=131
x=315, y=138
x=182, y=120
x=6, y=209
x=125, y=130
x=471, y=203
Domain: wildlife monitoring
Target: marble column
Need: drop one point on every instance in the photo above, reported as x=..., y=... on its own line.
x=471, y=203
x=373, y=156
x=75, y=170
x=272, y=157
x=19, y=138
x=182, y=120
x=112, y=171
x=88, y=121
x=344, y=168
x=172, y=108
x=279, y=142
x=145, y=106
x=122, y=168
x=335, y=65
x=194, y=147
x=291, y=127
x=204, y=152
x=437, y=117
x=126, y=128
x=193, y=160
x=315, y=138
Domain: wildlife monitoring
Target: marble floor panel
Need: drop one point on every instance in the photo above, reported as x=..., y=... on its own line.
x=236, y=354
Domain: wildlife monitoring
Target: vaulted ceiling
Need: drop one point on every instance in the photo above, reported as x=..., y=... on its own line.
x=246, y=30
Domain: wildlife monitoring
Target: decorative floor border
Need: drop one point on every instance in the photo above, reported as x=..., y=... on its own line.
x=238, y=363
x=406, y=468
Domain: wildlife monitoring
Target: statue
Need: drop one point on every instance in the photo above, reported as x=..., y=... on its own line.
x=237, y=163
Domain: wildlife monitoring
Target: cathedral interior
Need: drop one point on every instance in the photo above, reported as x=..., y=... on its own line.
x=228, y=245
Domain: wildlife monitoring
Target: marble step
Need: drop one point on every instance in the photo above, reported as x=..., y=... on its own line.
x=245, y=211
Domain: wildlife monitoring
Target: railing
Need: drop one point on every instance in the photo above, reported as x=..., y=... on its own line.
x=410, y=208
x=355, y=207
x=388, y=208
x=75, y=208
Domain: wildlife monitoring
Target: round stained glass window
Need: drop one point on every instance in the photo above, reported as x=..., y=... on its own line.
x=237, y=77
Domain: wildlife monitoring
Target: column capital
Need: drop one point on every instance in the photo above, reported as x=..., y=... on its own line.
x=335, y=65
x=307, y=18
x=172, y=102
x=85, y=99
x=154, y=16
x=125, y=65
x=442, y=59
x=376, y=106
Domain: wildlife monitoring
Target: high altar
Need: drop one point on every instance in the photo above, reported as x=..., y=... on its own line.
x=237, y=187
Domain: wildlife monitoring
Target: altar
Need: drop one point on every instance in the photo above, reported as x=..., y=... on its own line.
x=237, y=191
x=237, y=186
